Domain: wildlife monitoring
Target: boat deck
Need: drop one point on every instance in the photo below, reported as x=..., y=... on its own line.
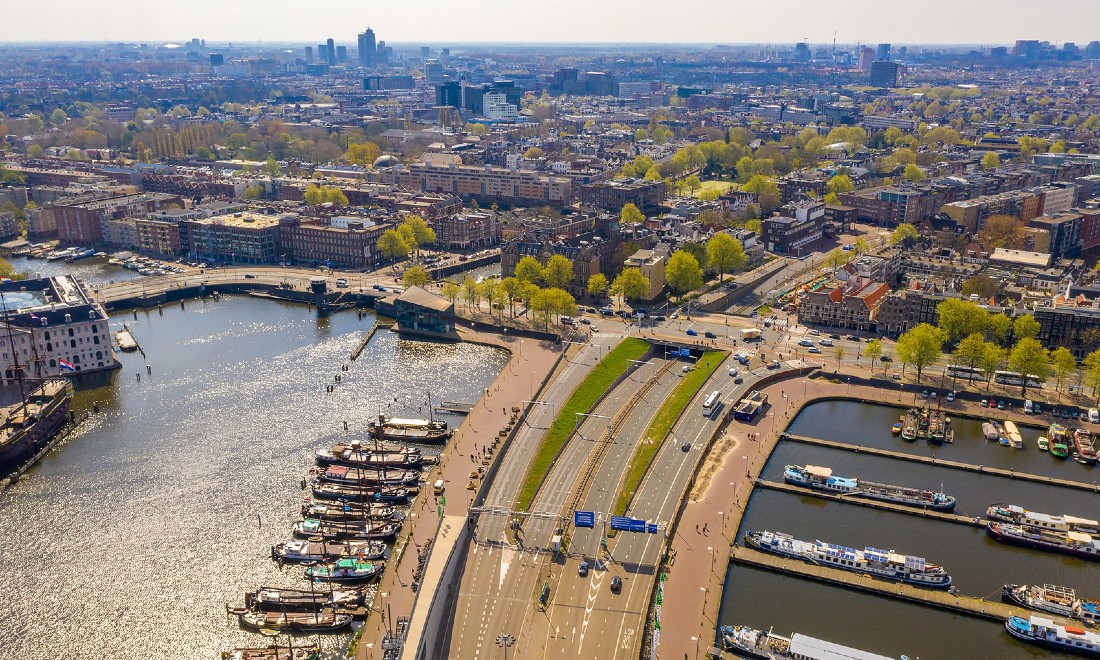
x=870, y=503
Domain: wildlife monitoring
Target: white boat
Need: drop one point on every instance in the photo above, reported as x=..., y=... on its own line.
x=1044, y=632
x=1015, y=440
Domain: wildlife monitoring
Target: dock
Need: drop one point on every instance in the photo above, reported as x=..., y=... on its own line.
x=954, y=465
x=366, y=340
x=973, y=521
x=970, y=605
x=126, y=340
x=454, y=408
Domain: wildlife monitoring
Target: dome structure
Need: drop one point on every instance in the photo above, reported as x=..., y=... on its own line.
x=386, y=160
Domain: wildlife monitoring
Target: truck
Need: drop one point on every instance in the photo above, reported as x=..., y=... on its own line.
x=750, y=334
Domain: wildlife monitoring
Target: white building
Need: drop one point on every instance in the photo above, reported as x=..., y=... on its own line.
x=498, y=108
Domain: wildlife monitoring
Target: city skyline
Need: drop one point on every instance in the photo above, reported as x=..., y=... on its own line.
x=566, y=21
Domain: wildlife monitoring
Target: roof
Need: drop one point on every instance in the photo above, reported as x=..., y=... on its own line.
x=415, y=295
x=804, y=646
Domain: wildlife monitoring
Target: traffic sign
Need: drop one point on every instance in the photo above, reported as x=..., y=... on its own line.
x=584, y=518
x=651, y=528
x=621, y=523
x=637, y=525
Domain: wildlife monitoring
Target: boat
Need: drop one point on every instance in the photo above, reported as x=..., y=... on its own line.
x=338, y=531
x=1015, y=440
x=1044, y=632
x=1052, y=599
x=345, y=570
x=409, y=430
x=317, y=550
x=355, y=455
x=33, y=415
x=280, y=599
x=350, y=511
x=327, y=620
x=1082, y=442
x=351, y=476
x=60, y=254
x=880, y=563
x=989, y=431
x=80, y=254
x=360, y=493
x=1044, y=444
x=125, y=339
x=911, y=426
x=1059, y=440
x=1078, y=544
x=749, y=642
x=1017, y=515
x=273, y=653
x=821, y=478
x=937, y=426
x=896, y=429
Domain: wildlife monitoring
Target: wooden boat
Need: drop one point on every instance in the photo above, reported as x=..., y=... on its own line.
x=357, y=455
x=1082, y=442
x=327, y=620
x=351, y=476
x=421, y=431
x=350, y=511
x=346, y=570
x=281, y=599
x=273, y=653
x=375, y=493
x=317, y=550
x=337, y=531
x=1059, y=440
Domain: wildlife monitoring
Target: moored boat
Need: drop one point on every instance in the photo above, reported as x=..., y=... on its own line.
x=989, y=431
x=319, y=551
x=29, y=423
x=357, y=455
x=910, y=427
x=881, y=563
x=1082, y=442
x=273, y=653
x=1070, y=543
x=1015, y=440
x=409, y=430
x=280, y=599
x=337, y=531
x=821, y=478
x=749, y=642
x=327, y=620
x=896, y=428
x=1044, y=632
x=345, y=570
x=350, y=511
x=1052, y=599
x=1011, y=513
x=1044, y=444
x=344, y=475
x=361, y=493
x=1059, y=440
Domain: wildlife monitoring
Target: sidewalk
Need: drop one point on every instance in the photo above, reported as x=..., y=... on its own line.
x=517, y=382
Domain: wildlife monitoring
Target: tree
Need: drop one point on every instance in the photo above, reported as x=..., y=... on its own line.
x=983, y=286
x=970, y=350
x=902, y=232
x=683, y=273
x=363, y=154
x=558, y=272
x=597, y=285
x=529, y=270
x=631, y=284
x=836, y=258
x=417, y=229
x=960, y=318
x=692, y=182
x=450, y=291
x=58, y=117
x=512, y=288
x=997, y=327
x=254, y=192
x=1064, y=364
x=767, y=192
x=1002, y=231
x=992, y=358
x=873, y=351
x=913, y=173
x=839, y=184
x=1091, y=365
x=1030, y=359
x=630, y=215
x=392, y=245
x=990, y=161
x=533, y=153
x=861, y=246
x=271, y=168
x=471, y=293
x=415, y=276
x=1025, y=326
x=527, y=294
x=725, y=253
x=839, y=353
x=920, y=346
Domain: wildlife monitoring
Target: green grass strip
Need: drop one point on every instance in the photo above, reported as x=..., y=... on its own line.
x=662, y=423
x=599, y=380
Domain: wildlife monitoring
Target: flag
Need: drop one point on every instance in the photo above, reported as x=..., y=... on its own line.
x=66, y=366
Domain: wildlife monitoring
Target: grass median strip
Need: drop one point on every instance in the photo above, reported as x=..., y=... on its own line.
x=662, y=423
x=583, y=398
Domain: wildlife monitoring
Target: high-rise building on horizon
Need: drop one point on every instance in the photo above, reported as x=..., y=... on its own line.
x=884, y=73
x=866, y=58
x=330, y=50
x=368, y=48
x=883, y=52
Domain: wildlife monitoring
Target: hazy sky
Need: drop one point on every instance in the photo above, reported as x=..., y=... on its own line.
x=663, y=21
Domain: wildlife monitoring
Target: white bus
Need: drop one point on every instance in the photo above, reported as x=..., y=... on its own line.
x=960, y=371
x=1015, y=378
x=711, y=404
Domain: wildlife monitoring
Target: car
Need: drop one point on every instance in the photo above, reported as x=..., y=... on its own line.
x=983, y=404
x=738, y=380
x=1065, y=414
x=1001, y=405
x=595, y=329
x=734, y=371
x=825, y=342
x=806, y=342
x=622, y=313
x=691, y=332
x=852, y=338
x=659, y=318
x=607, y=311
x=582, y=570
x=590, y=310
x=710, y=335
x=924, y=394
x=813, y=349
x=933, y=395
x=815, y=332
x=950, y=396
x=378, y=287
x=341, y=283
x=586, y=322
x=616, y=583
x=686, y=446
x=774, y=364
x=895, y=376
x=1036, y=408
x=686, y=368
x=1073, y=414
x=675, y=315
x=834, y=336
x=767, y=324
x=249, y=276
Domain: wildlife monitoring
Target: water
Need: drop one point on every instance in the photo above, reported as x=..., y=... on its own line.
x=94, y=271
x=128, y=540
x=978, y=565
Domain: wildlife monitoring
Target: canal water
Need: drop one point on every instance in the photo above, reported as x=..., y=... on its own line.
x=129, y=539
x=95, y=271
x=978, y=565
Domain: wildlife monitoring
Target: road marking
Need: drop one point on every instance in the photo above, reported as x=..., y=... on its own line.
x=506, y=554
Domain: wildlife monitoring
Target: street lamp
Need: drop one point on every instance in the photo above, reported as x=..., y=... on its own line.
x=504, y=641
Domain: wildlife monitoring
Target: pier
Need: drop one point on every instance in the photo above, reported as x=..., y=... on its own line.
x=973, y=521
x=366, y=340
x=955, y=465
x=970, y=605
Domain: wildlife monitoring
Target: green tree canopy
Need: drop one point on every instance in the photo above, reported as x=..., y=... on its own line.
x=997, y=327
x=597, y=284
x=982, y=285
x=392, y=245
x=271, y=168
x=1025, y=326
x=873, y=351
x=533, y=153
x=725, y=254
x=1063, y=364
x=631, y=215
x=913, y=173
x=417, y=232
x=920, y=346
x=558, y=272
x=970, y=350
x=1029, y=358
x=841, y=183
x=415, y=276
x=992, y=358
x=528, y=269
x=683, y=273
x=960, y=318
x=990, y=161
x=903, y=231
x=631, y=284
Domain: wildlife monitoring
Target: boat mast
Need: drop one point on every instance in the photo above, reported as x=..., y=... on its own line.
x=15, y=353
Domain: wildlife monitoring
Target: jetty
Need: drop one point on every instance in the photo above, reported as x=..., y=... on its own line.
x=454, y=408
x=954, y=465
x=366, y=340
x=973, y=521
x=125, y=339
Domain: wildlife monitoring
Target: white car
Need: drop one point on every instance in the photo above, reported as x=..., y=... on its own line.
x=734, y=372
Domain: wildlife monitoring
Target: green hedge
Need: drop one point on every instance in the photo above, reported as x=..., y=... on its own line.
x=582, y=400
x=662, y=423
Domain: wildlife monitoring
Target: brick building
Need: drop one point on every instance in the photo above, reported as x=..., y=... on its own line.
x=615, y=194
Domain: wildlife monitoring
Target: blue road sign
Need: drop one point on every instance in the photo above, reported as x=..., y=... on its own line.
x=637, y=525
x=621, y=523
x=584, y=518
x=651, y=528
x=685, y=352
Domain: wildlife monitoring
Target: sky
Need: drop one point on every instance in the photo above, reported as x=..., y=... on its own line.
x=998, y=22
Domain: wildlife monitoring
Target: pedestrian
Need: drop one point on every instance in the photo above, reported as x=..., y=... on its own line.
x=697, y=529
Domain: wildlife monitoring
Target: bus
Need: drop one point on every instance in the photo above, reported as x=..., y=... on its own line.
x=959, y=371
x=1015, y=378
x=711, y=404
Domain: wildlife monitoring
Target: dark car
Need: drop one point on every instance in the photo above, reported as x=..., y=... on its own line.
x=738, y=380
x=691, y=332
x=582, y=570
x=686, y=446
x=616, y=583
x=710, y=335
x=834, y=336
x=659, y=318
x=1065, y=413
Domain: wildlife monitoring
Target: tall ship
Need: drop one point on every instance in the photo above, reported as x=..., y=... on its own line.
x=1058, y=437
x=881, y=563
x=1011, y=513
x=351, y=531
x=821, y=478
x=273, y=653
x=765, y=645
x=350, y=476
x=1044, y=632
x=939, y=427
x=1052, y=599
x=1082, y=443
x=354, y=454
x=360, y=493
x=1079, y=544
x=424, y=431
x=32, y=415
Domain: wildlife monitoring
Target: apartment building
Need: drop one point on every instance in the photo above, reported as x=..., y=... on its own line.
x=613, y=195
x=652, y=265
x=467, y=230
x=488, y=183
x=851, y=305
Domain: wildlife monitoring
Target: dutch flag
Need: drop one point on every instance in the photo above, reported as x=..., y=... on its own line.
x=66, y=366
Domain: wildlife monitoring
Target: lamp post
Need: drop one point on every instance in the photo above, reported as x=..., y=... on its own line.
x=504, y=641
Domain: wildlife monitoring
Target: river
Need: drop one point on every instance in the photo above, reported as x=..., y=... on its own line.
x=978, y=565
x=128, y=540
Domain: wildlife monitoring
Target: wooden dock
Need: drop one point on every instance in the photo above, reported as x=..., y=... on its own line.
x=366, y=340
x=955, y=465
x=973, y=606
x=872, y=504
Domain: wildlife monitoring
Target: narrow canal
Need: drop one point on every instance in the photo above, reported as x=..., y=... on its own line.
x=979, y=565
x=128, y=540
